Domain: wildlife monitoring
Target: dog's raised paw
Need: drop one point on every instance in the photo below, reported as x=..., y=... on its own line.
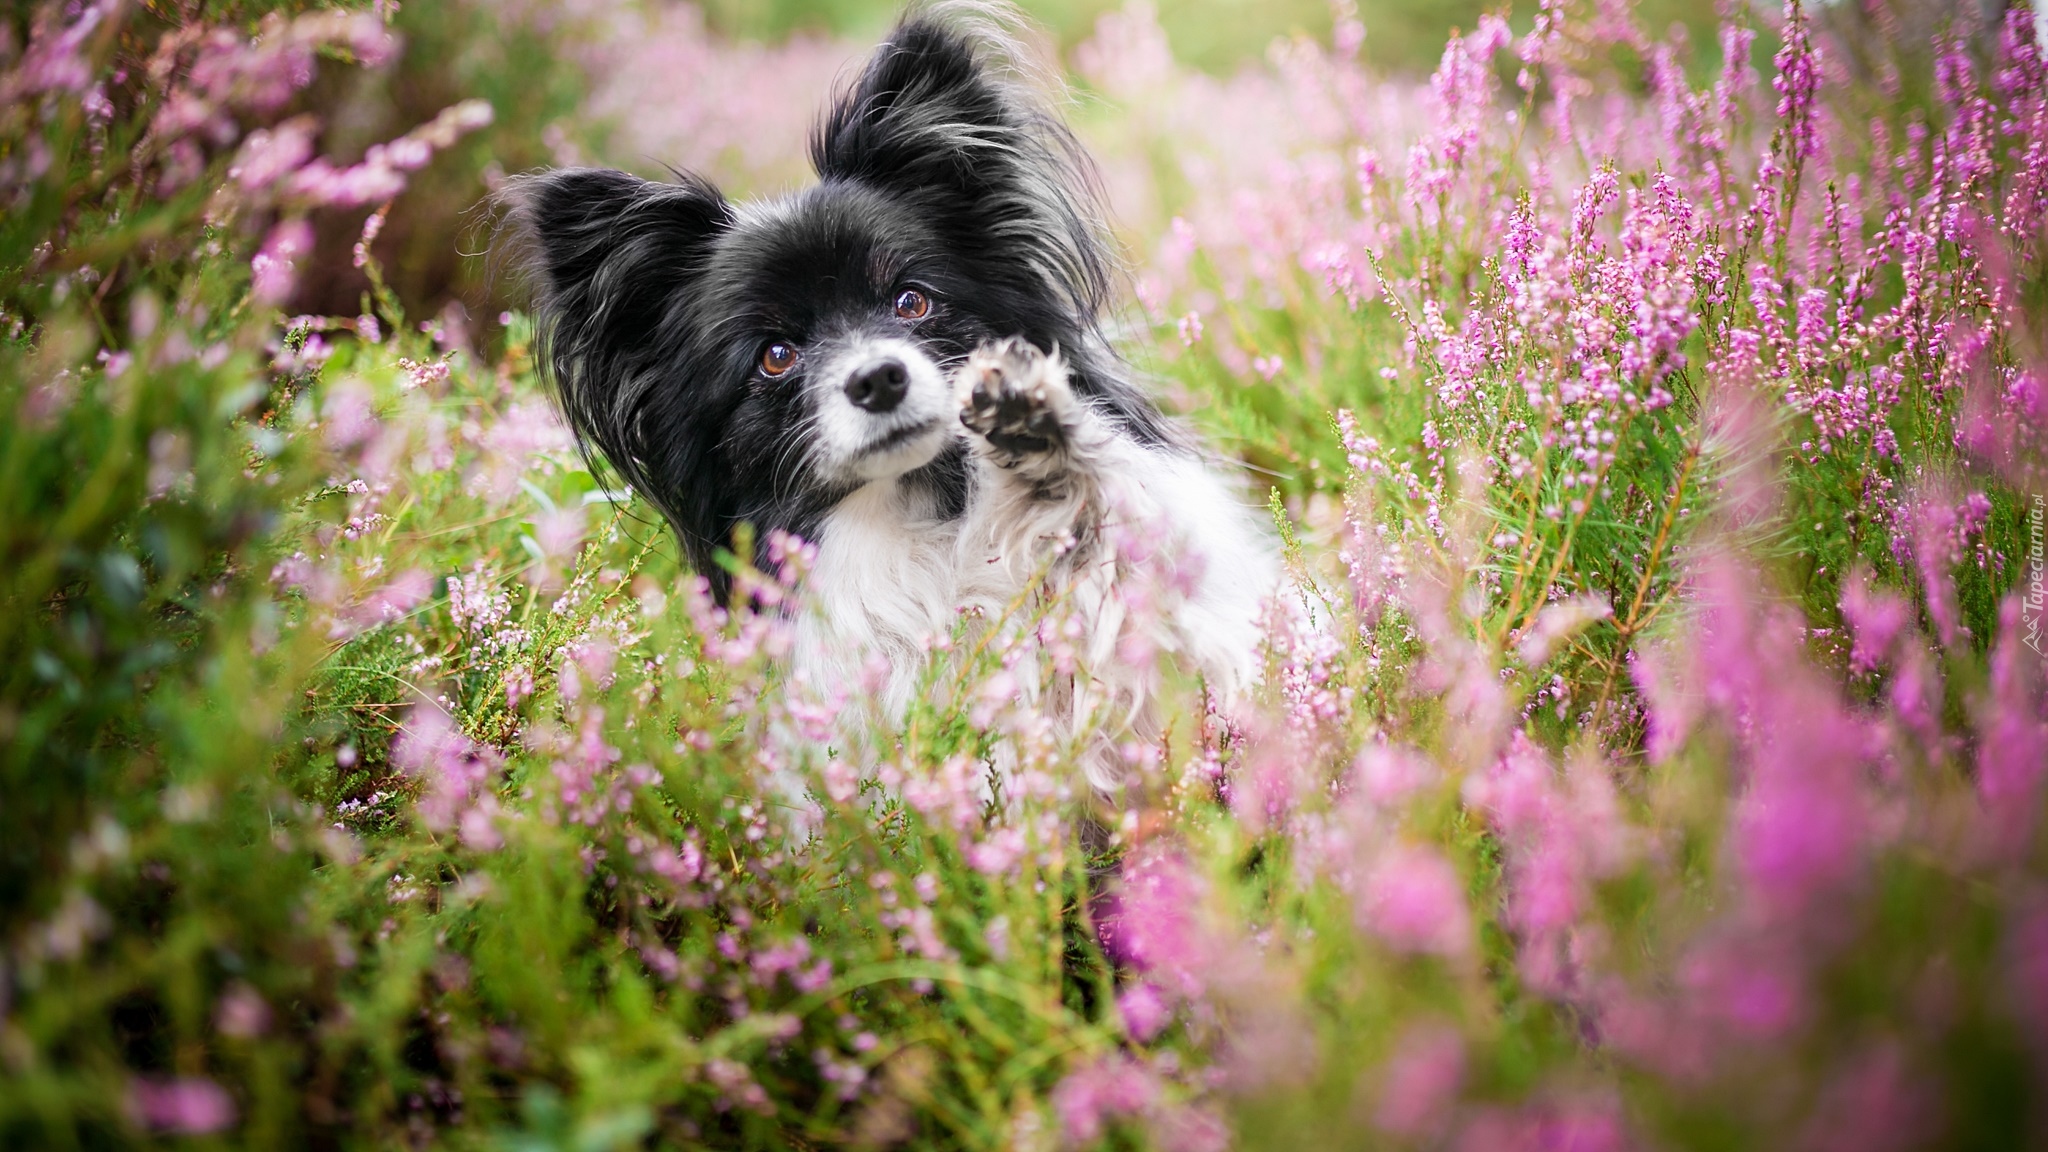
x=1015, y=397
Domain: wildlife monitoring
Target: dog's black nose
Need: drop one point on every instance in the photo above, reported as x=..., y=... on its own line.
x=879, y=387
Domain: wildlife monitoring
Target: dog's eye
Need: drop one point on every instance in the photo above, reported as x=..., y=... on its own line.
x=777, y=358
x=912, y=304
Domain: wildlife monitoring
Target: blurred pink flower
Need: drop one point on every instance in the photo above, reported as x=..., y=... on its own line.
x=1151, y=923
x=453, y=769
x=274, y=269
x=1094, y=1094
x=558, y=534
x=1799, y=834
x=1753, y=992
x=1936, y=546
x=183, y=1106
x=241, y=1012
x=347, y=415
x=1419, y=1083
x=1414, y=901
x=1582, y=1125
x=400, y=595
x=2012, y=739
x=1876, y=618
x=271, y=154
x=1386, y=775
x=1144, y=1010
x=1875, y=1101
x=1180, y=1128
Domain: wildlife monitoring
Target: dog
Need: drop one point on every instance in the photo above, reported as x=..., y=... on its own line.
x=906, y=365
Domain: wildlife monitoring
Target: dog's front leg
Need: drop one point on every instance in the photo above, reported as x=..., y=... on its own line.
x=1035, y=525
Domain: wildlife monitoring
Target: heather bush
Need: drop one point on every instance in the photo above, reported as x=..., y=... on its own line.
x=1651, y=742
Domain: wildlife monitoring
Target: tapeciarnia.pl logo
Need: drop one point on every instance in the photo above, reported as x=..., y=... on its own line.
x=2031, y=607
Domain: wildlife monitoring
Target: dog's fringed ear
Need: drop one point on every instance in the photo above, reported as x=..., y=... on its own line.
x=608, y=257
x=939, y=119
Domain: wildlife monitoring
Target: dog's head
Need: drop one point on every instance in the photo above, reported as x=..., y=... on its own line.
x=759, y=361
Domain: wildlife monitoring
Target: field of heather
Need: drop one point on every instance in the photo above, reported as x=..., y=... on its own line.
x=1652, y=740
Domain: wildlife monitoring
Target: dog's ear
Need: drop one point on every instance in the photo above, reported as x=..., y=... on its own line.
x=610, y=258
x=940, y=120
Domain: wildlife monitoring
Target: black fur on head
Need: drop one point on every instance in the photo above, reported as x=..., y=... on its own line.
x=659, y=304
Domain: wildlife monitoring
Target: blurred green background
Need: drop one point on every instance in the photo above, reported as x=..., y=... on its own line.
x=1216, y=35
x=532, y=70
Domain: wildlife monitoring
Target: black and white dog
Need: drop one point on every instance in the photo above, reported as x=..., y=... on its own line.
x=905, y=365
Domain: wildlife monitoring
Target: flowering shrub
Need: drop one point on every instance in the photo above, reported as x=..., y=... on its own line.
x=1650, y=750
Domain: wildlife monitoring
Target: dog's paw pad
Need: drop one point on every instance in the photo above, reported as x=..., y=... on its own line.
x=1015, y=397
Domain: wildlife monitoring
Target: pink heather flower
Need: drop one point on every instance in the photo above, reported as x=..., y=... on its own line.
x=1670, y=708
x=998, y=853
x=1516, y=793
x=373, y=226
x=269, y=155
x=1587, y=1125
x=527, y=432
x=1875, y=1102
x=1800, y=824
x=1128, y=56
x=1936, y=548
x=1559, y=622
x=2012, y=741
x=997, y=695
x=1419, y=1084
x=737, y=1087
x=584, y=777
x=1414, y=901
x=406, y=591
x=558, y=535
x=55, y=60
x=1757, y=996
x=1798, y=79
x=428, y=375
x=347, y=416
x=381, y=175
x=1263, y=793
x=241, y=1012
x=597, y=656
x=1176, y=1128
x=1544, y=896
x=519, y=685
x=1342, y=274
x=1191, y=329
x=1915, y=696
x=1151, y=923
x=273, y=271
x=454, y=769
x=1145, y=1011
x=1798, y=834
x=478, y=827
x=475, y=604
x=1385, y=775
x=662, y=962
x=1875, y=617
x=950, y=794
x=185, y=1106
x=1462, y=91
x=1092, y=1095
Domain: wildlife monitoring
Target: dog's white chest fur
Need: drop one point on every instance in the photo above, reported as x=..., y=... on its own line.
x=884, y=585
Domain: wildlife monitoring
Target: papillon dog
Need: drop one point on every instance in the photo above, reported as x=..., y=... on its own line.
x=906, y=365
